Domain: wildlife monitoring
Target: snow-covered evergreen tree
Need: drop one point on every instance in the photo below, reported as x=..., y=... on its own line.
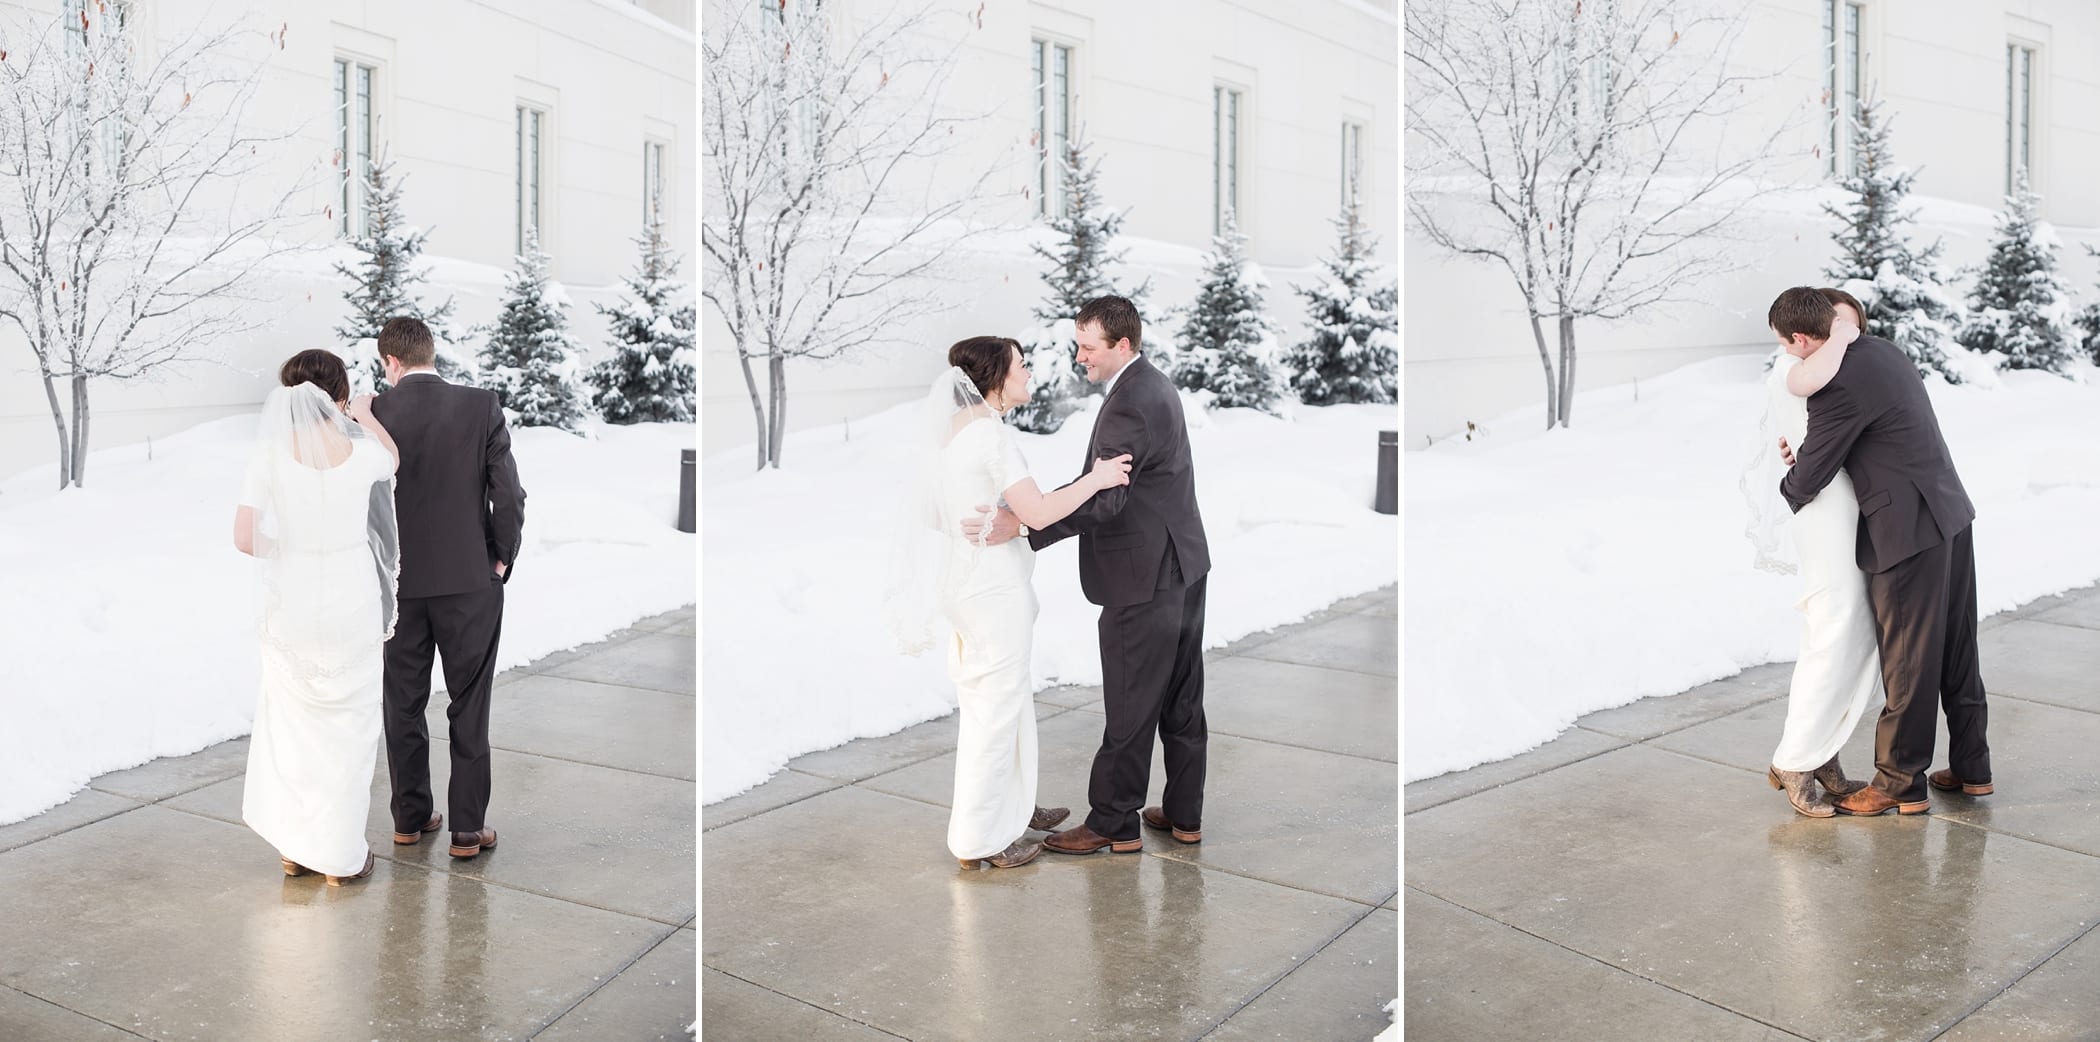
x=386, y=281
x=1351, y=352
x=2019, y=307
x=2089, y=322
x=1907, y=298
x=1077, y=273
x=530, y=360
x=1227, y=342
x=652, y=376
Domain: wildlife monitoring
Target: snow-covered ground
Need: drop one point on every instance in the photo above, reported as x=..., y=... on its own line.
x=796, y=658
x=1553, y=575
x=126, y=616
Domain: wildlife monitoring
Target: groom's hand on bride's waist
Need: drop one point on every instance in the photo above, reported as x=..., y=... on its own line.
x=1786, y=452
x=1003, y=526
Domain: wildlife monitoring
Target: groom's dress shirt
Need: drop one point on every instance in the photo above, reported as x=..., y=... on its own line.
x=1147, y=535
x=1875, y=420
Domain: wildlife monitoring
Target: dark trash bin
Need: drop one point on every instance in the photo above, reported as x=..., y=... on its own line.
x=1388, y=473
x=687, y=490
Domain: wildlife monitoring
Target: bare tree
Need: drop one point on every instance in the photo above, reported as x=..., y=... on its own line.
x=1587, y=147
x=823, y=238
x=129, y=220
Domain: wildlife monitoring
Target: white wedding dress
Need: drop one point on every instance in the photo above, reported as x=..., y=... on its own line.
x=322, y=631
x=1838, y=673
x=987, y=596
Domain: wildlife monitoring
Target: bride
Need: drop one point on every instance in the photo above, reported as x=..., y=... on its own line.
x=967, y=456
x=1838, y=673
x=317, y=507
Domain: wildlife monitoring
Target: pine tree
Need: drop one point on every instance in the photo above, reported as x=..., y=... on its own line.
x=1077, y=273
x=2088, y=322
x=2020, y=308
x=386, y=280
x=1907, y=300
x=1226, y=340
x=1350, y=353
x=651, y=377
x=530, y=360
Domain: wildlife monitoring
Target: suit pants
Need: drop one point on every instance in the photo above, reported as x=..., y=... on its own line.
x=1151, y=683
x=1925, y=615
x=464, y=629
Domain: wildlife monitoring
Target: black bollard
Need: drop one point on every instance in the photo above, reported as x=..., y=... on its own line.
x=1388, y=473
x=686, y=490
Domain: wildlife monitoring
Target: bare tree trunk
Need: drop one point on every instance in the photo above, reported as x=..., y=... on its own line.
x=58, y=420
x=758, y=407
x=80, y=428
x=1538, y=333
x=1567, y=367
x=776, y=374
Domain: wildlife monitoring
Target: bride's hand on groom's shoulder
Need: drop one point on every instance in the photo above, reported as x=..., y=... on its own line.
x=361, y=407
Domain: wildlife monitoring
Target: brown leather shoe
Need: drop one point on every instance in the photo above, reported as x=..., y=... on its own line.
x=1800, y=789
x=1946, y=780
x=468, y=844
x=408, y=839
x=1157, y=818
x=1046, y=818
x=1870, y=801
x=1083, y=840
x=1016, y=854
x=361, y=873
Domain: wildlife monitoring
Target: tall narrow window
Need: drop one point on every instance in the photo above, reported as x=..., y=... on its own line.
x=353, y=144
x=1352, y=159
x=1225, y=155
x=652, y=181
x=1844, y=60
x=103, y=123
x=2019, y=114
x=1051, y=65
x=531, y=123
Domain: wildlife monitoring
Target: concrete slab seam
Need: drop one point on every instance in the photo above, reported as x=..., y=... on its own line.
x=602, y=985
x=806, y=1002
x=1296, y=966
x=1612, y=966
x=84, y=1016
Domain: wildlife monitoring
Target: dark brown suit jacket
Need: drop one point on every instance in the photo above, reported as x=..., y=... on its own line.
x=1874, y=420
x=1126, y=534
x=456, y=495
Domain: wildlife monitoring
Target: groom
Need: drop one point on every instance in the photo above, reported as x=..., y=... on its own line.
x=1916, y=546
x=462, y=513
x=1142, y=558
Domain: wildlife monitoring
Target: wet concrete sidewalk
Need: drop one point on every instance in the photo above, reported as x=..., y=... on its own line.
x=834, y=911
x=143, y=908
x=1637, y=879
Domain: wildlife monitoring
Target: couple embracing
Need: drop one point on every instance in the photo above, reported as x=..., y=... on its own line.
x=967, y=552
x=387, y=526
x=1882, y=529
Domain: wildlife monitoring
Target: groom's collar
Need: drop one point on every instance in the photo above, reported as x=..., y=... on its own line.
x=1110, y=387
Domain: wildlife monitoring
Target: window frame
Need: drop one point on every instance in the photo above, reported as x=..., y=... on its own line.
x=530, y=209
x=354, y=155
x=1053, y=135
x=2022, y=59
x=1228, y=104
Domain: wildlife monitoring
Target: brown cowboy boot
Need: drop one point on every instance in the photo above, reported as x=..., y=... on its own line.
x=1800, y=789
x=1947, y=781
x=1047, y=818
x=1832, y=777
x=1016, y=854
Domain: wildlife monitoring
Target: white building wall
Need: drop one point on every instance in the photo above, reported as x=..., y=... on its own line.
x=1940, y=67
x=1142, y=86
x=611, y=72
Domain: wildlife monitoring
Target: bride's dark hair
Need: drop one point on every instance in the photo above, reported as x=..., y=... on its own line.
x=323, y=369
x=984, y=359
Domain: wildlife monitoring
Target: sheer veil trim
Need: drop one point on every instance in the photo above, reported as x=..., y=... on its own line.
x=920, y=541
x=301, y=428
x=1768, y=516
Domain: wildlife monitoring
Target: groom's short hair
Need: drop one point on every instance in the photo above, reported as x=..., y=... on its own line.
x=1117, y=317
x=409, y=340
x=1802, y=309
